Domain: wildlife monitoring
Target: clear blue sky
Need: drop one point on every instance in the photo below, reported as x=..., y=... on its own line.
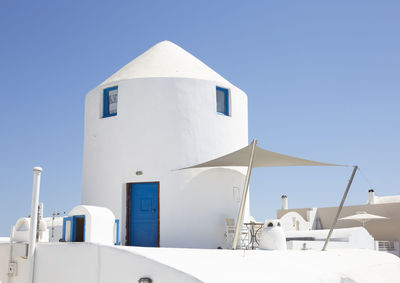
x=322, y=77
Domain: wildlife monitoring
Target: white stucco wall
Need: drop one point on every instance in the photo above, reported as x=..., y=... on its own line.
x=4, y=258
x=348, y=238
x=96, y=263
x=93, y=263
x=165, y=124
x=55, y=227
x=22, y=266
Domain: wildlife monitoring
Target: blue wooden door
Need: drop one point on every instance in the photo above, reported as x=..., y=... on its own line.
x=144, y=215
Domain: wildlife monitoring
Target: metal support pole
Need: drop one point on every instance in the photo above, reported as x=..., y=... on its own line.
x=340, y=208
x=244, y=196
x=39, y=217
x=37, y=171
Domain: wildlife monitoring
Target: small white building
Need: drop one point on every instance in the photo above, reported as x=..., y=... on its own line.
x=163, y=111
x=92, y=224
x=385, y=231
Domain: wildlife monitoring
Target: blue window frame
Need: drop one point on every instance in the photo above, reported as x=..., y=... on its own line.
x=116, y=232
x=222, y=100
x=110, y=101
x=67, y=229
x=74, y=228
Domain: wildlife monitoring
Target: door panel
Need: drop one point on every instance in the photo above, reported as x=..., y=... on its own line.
x=78, y=229
x=144, y=215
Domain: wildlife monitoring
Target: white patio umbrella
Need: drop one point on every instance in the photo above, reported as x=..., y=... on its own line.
x=363, y=217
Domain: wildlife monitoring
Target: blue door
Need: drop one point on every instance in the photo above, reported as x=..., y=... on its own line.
x=143, y=228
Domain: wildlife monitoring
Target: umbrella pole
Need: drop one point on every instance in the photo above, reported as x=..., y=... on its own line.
x=340, y=207
x=244, y=196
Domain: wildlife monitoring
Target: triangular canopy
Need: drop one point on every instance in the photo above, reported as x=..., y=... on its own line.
x=262, y=158
x=167, y=60
x=254, y=156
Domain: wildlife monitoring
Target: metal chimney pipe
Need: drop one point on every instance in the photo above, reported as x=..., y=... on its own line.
x=371, y=196
x=37, y=171
x=284, y=202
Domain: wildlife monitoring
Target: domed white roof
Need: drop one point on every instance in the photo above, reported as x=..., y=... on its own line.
x=386, y=199
x=166, y=59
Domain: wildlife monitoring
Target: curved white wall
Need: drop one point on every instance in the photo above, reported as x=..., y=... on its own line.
x=292, y=221
x=164, y=124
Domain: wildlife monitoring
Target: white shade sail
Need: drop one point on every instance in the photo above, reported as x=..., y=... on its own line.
x=254, y=156
x=262, y=158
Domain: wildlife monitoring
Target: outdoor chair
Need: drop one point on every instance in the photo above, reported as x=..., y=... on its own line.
x=230, y=227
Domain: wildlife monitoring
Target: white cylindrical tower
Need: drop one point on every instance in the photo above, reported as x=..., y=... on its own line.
x=163, y=111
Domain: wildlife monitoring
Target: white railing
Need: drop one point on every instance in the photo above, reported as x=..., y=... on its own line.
x=388, y=246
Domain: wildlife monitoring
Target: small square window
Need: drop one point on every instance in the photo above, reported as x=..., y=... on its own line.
x=110, y=101
x=223, y=101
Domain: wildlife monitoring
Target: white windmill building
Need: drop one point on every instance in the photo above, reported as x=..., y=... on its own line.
x=162, y=111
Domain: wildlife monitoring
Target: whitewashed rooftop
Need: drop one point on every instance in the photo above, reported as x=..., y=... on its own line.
x=361, y=266
x=386, y=199
x=166, y=59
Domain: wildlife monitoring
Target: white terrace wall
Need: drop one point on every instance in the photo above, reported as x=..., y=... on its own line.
x=93, y=263
x=4, y=258
x=347, y=238
x=165, y=124
x=22, y=266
